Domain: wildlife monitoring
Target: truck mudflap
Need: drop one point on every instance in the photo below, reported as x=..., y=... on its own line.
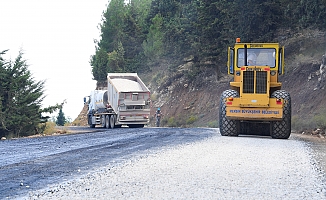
x=272, y=113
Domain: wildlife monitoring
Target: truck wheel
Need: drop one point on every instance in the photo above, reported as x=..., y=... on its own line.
x=228, y=127
x=90, y=121
x=112, y=121
x=103, y=122
x=282, y=129
x=107, y=121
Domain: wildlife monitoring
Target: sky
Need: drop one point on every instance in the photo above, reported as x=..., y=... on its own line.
x=57, y=39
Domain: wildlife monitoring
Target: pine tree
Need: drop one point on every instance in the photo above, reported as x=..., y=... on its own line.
x=99, y=63
x=112, y=26
x=20, y=99
x=61, y=119
x=153, y=45
x=150, y=31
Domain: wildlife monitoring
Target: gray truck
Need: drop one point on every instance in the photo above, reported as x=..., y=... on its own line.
x=125, y=101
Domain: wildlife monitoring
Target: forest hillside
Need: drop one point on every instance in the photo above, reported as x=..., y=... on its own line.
x=179, y=49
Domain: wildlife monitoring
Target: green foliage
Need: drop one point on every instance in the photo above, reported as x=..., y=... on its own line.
x=20, y=99
x=318, y=120
x=191, y=119
x=305, y=13
x=157, y=78
x=112, y=26
x=298, y=124
x=193, y=71
x=49, y=128
x=139, y=35
x=116, y=59
x=172, y=122
x=153, y=45
x=213, y=124
x=61, y=119
x=178, y=121
x=123, y=31
x=154, y=97
x=99, y=63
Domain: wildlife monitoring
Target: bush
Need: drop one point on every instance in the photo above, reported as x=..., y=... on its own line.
x=172, y=122
x=154, y=97
x=157, y=79
x=213, y=124
x=76, y=122
x=191, y=119
x=320, y=121
x=49, y=128
x=310, y=123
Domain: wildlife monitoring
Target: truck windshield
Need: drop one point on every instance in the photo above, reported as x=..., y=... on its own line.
x=257, y=57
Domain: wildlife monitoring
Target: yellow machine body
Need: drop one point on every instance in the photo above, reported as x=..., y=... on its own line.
x=255, y=81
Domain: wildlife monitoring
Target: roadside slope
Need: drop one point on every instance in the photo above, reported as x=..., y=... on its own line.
x=189, y=96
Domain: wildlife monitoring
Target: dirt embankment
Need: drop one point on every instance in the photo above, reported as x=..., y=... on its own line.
x=181, y=97
x=81, y=120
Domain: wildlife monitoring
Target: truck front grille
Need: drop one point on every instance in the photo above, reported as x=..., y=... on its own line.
x=248, y=82
x=255, y=82
x=261, y=82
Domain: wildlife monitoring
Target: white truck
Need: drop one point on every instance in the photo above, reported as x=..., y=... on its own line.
x=125, y=101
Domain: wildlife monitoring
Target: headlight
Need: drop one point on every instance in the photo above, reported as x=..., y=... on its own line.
x=273, y=73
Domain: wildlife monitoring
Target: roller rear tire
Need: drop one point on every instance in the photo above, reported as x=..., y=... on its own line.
x=282, y=129
x=228, y=127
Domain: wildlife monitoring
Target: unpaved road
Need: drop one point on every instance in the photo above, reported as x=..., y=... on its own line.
x=161, y=163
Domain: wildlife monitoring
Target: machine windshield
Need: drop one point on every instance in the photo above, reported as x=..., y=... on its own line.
x=257, y=57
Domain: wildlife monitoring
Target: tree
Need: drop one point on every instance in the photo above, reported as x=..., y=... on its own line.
x=311, y=13
x=153, y=45
x=99, y=63
x=139, y=9
x=111, y=36
x=116, y=59
x=112, y=25
x=151, y=31
x=20, y=98
x=61, y=119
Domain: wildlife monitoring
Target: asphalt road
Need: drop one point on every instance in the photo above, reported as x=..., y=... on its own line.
x=31, y=164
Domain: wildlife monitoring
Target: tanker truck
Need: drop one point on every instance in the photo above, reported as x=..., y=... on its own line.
x=125, y=101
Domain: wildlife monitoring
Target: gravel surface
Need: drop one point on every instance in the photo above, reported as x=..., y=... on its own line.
x=214, y=168
x=30, y=164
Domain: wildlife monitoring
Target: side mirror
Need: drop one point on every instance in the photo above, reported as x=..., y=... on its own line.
x=230, y=63
x=281, y=61
x=86, y=100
